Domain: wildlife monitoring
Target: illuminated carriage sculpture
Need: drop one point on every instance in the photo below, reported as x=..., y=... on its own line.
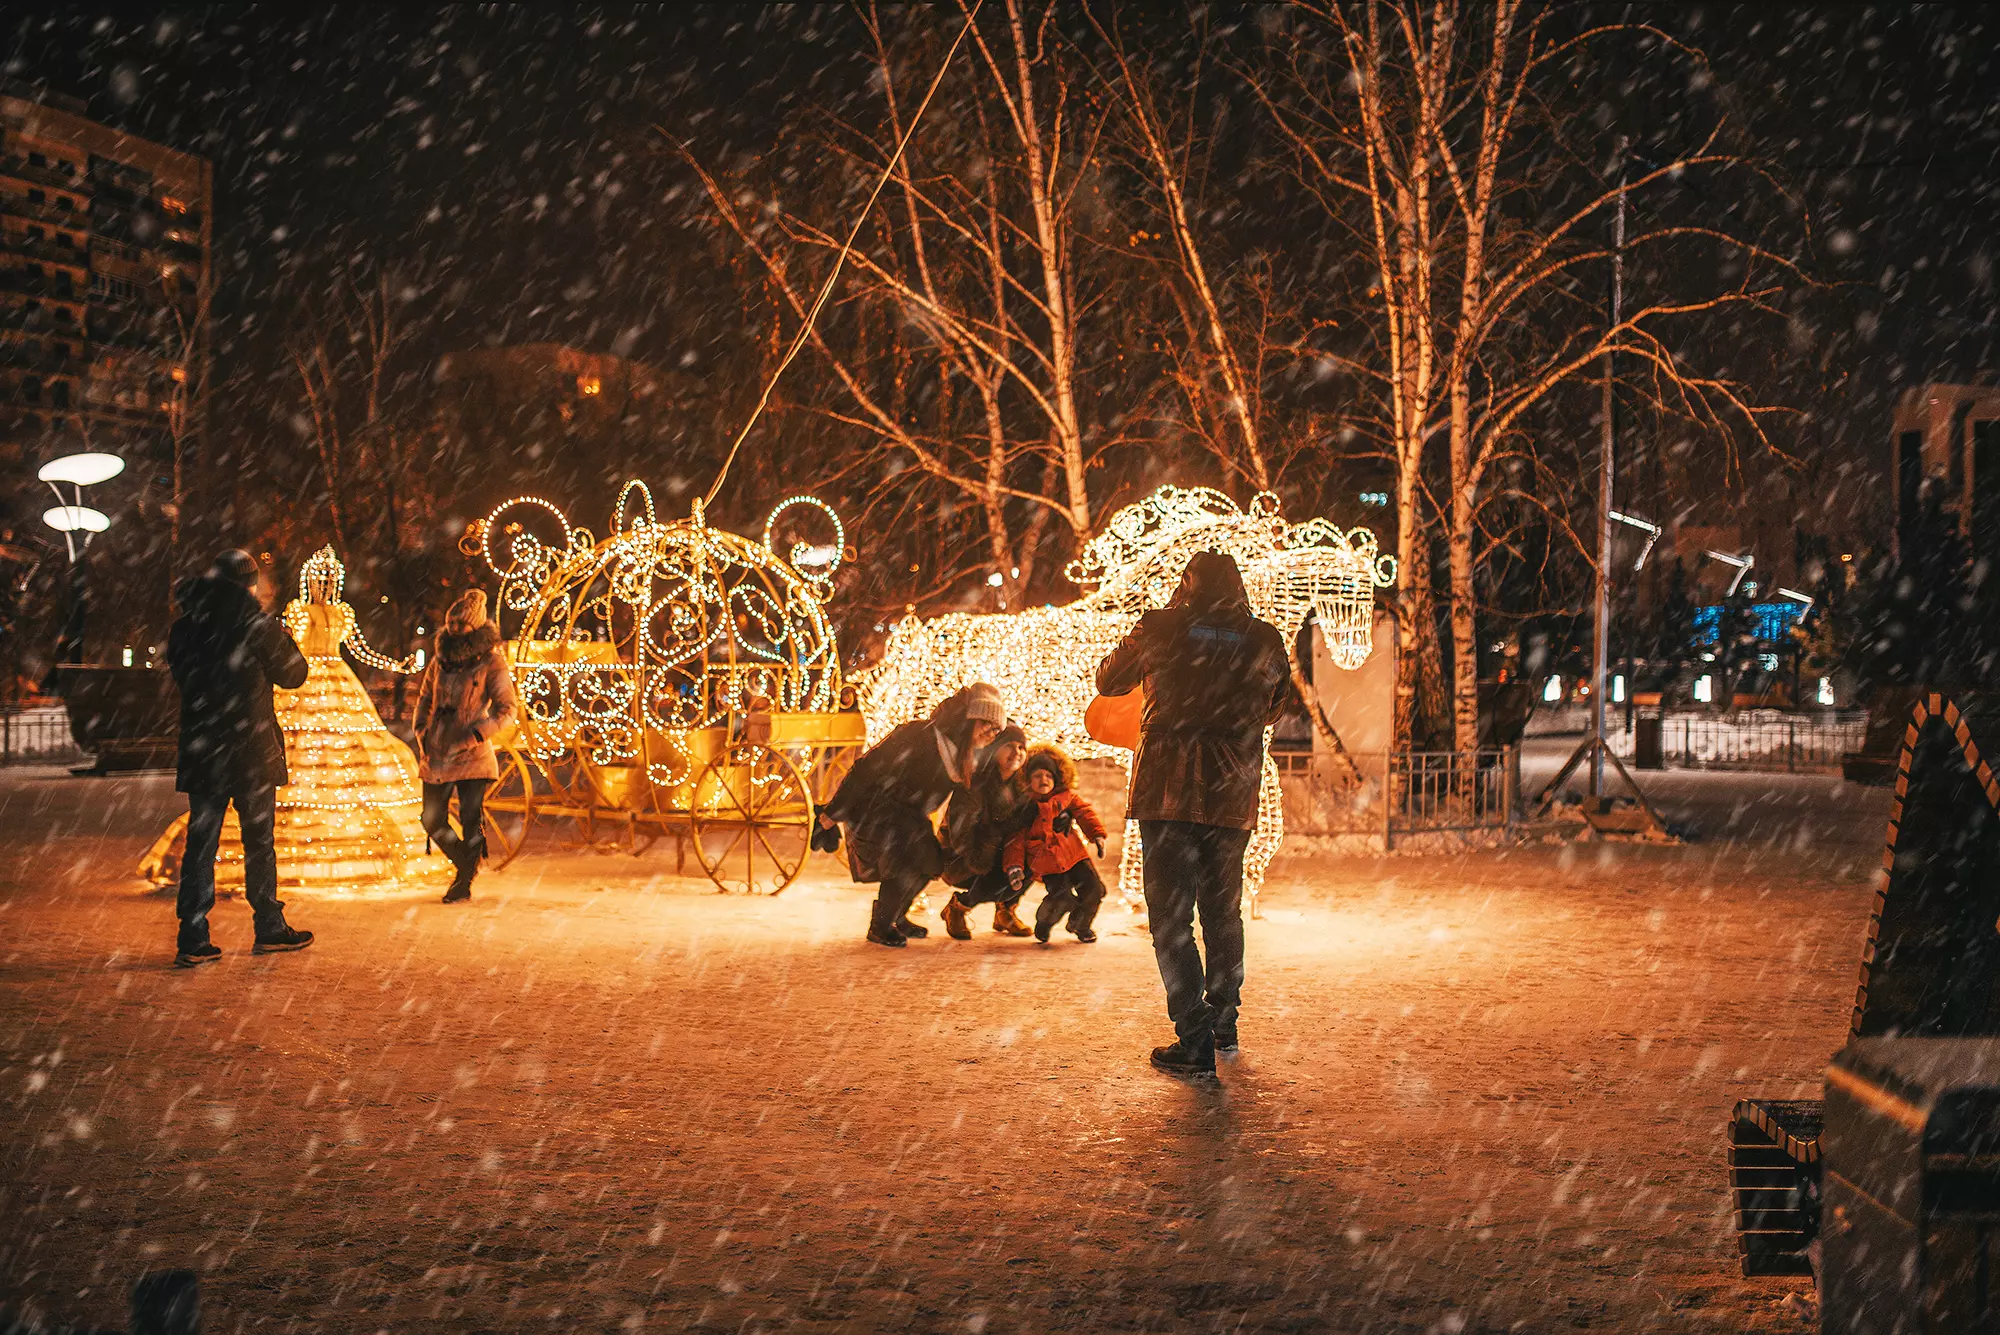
x=675, y=679
x=1044, y=660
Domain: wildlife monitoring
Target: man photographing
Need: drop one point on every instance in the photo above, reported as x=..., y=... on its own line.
x=1215, y=678
x=226, y=653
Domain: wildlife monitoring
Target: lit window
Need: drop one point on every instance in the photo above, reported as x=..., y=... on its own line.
x=1825, y=695
x=1553, y=691
x=1704, y=689
x=128, y=655
x=1618, y=689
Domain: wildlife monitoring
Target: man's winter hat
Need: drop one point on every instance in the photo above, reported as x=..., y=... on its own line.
x=983, y=704
x=235, y=566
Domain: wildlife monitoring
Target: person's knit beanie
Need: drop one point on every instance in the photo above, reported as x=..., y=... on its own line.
x=983, y=704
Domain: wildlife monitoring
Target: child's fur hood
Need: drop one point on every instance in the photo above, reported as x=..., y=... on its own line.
x=1049, y=756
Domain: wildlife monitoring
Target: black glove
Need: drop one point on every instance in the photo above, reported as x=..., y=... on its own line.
x=825, y=838
x=1064, y=822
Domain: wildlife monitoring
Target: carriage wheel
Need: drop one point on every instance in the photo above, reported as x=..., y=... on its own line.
x=510, y=808
x=751, y=817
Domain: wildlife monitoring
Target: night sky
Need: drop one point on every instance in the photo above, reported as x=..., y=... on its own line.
x=514, y=157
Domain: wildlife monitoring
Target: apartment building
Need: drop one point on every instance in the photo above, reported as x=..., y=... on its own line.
x=1945, y=441
x=104, y=277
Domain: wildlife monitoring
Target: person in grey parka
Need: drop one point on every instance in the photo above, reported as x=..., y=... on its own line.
x=465, y=698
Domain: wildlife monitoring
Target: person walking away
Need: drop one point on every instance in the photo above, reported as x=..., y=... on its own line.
x=226, y=653
x=1049, y=848
x=1215, y=678
x=465, y=699
x=884, y=805
x=977, y=826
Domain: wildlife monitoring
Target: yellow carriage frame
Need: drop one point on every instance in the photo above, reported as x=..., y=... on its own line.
x=675, y=680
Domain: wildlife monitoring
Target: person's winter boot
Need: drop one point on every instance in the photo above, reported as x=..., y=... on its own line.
x=1008, y=923
x=1045, y=918
x=1185, y=1058
x=465, y=860
x=192, y=946
x=955, y=925
x=1225, y=1038
x=914, y=931
x=1084, y=933
x=882, y=927
x=280, y=938
x=201, y=952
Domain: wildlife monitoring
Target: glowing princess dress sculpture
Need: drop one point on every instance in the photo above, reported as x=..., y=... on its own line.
x=348, y=820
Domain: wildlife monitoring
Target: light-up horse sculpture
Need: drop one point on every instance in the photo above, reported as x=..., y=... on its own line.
x=1044, y=660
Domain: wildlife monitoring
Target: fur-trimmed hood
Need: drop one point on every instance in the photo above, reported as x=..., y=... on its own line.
x=457, y=652
x=1049, y=756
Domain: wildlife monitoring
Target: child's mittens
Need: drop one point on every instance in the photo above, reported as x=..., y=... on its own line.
x=1015, y=880
x=1100, y=848
x=1064, y=822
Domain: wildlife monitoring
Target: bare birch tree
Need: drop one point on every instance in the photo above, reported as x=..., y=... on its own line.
x=1434, y=124
x=973, y=254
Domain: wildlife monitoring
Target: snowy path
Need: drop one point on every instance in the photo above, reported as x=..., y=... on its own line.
x=1477, y=1094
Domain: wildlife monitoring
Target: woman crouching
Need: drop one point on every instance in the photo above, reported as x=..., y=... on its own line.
x=885, y=803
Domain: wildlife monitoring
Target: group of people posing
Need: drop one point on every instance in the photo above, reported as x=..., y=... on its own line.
x=1011, y=816
x=1215, y=677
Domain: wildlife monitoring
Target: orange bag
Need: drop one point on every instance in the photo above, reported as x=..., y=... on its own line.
x=1114, y=719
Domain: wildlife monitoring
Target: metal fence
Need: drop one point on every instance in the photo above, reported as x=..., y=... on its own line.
x=37, y=737
x=1764, y=740
x=1385, y=797
x=1452, y=790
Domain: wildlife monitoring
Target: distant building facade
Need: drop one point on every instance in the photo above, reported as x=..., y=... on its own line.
x=1945, y=442
x=105, y=244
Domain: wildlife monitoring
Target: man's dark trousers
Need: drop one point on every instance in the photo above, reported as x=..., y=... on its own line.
x=257, y=812
x=1192, y=868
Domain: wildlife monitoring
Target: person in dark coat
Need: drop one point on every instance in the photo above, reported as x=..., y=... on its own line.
x=226, y=654
x=884, y=805
x=1216, y=677
x=977, y=826
x=465, y=699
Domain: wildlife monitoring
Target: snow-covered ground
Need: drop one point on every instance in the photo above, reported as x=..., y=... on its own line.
x=1477, y=1093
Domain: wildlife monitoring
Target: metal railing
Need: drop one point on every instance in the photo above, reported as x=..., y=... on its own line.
x=1768, y=741
x=37, y=737
x=1386, y=797
x=1452, y=790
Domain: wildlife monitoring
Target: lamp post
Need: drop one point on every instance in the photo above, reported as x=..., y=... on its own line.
x=71, y=517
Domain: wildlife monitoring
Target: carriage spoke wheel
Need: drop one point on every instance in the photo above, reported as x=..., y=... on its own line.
x=509, y=809
x=751, y=820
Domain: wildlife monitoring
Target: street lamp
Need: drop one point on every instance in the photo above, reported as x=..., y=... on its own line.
x=69, y=518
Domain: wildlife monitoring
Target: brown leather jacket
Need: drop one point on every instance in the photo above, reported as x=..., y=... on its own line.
x=1215, y=678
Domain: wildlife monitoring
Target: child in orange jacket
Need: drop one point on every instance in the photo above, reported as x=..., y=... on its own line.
x=1050, y=849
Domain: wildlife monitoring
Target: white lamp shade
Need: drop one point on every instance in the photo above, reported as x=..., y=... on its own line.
x=72, y=518
x=84, y=470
